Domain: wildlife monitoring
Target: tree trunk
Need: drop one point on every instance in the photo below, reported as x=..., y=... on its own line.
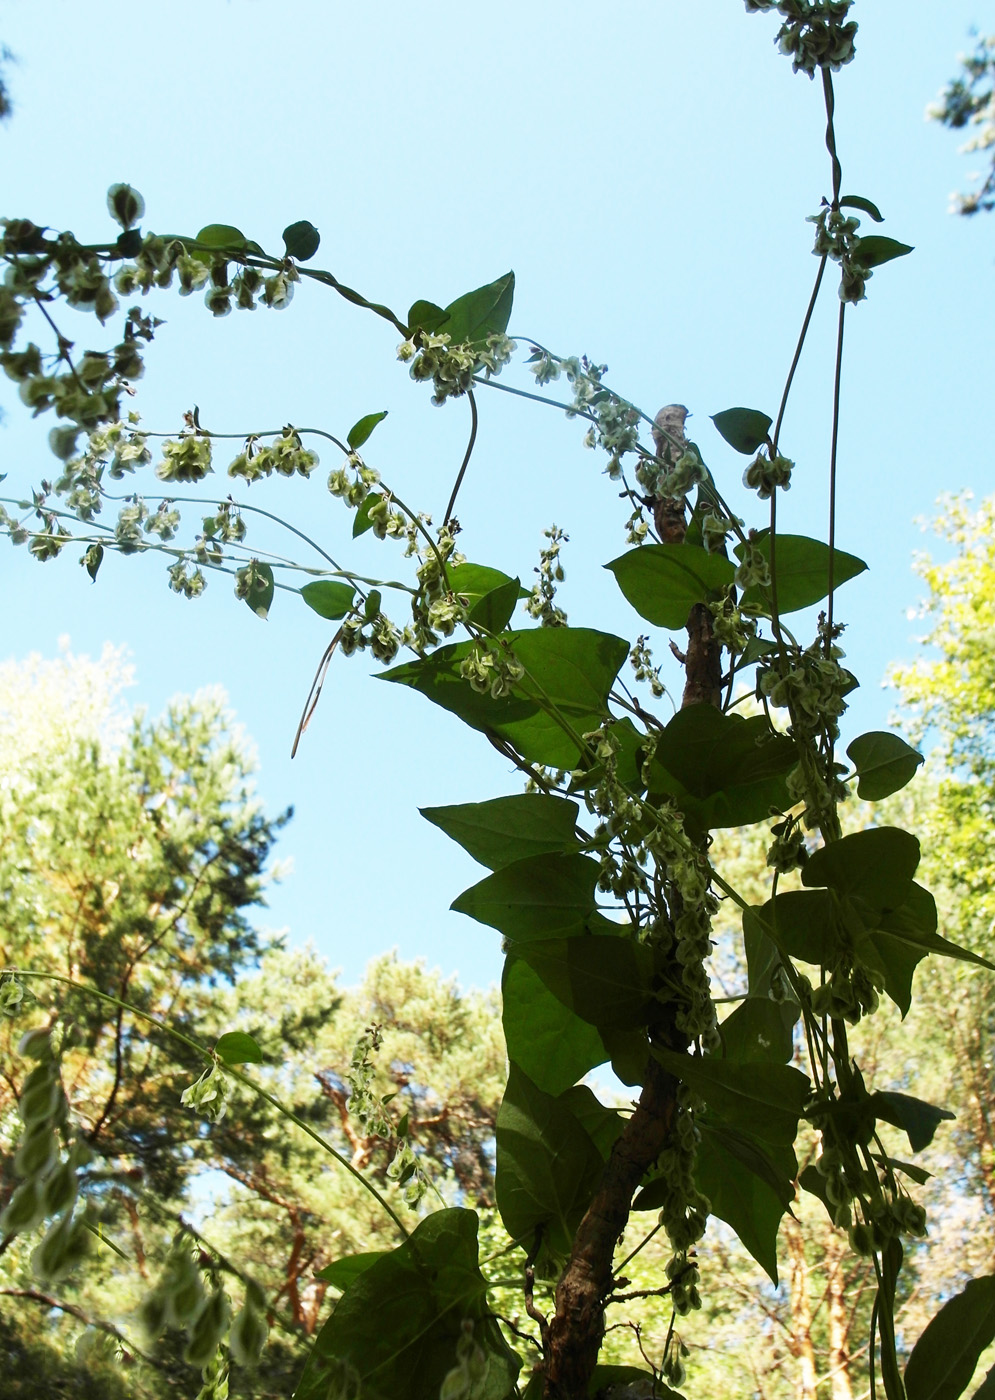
x=801, y=1311
x=839, y=1322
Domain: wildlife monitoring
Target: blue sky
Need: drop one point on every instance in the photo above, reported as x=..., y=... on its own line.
x=647, y=174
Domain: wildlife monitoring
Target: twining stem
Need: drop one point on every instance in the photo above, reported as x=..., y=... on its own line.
x=466, y=459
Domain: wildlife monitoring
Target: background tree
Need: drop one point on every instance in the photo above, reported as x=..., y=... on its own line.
x=132, y=852
x=969, y=101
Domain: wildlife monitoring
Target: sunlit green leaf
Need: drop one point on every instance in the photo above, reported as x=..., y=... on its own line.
x=360, y=431
x=222, y=236
x=760, y=1029
x=329, y=598
x=343, y=1272
x=237, y=1048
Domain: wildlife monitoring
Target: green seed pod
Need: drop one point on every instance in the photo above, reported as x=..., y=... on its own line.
x=60, y=1190
x=152, y=1314
x=248, y=1335
x=37, y=1152
x=23, y=1210
x=35, y=1044
x=184, y=1295
x=208, y=1328
x=41, y=1103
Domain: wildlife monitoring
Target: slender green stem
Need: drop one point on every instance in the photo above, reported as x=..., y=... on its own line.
x=641, y=1245
x=832, y=466
x=232, y=1070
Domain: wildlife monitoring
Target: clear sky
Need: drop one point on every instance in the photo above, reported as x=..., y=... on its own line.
x=646, y=171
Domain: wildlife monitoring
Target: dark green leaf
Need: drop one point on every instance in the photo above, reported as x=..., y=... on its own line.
x=876, y=866
x=760, y=1029
x=986, y=1390
x=802, y=571
x=913, y=923
x=507, y=829
x=856, y=201
x=395, y=1329
x=917, y=1119
x=328, y=598
x=629, y=1053
x=802, y=924
x=943, y=1359
x=721, y=770
x=426, y=316
x=745, y=429
x=547, y=1165
x=745, y=1189
x=260, y=599
x=606, y=979
x=237, y=1048
x=546, y=1039
x=343, y=1271
x=371, y=608
x=222, y=236
x=812, y=1181
x=891, y=1263
x=604, y=1377
x=539, y=896
x=362, y=521
x=917, y=1174
x=92, y=559
x=301, y=240
x=664, y=581
x=571, y=668
x=875, y=250
x=884, y=764
x=602, y=1124
x=762, y=956
x=481, y=313
x=360, y=432
x=765, y=1101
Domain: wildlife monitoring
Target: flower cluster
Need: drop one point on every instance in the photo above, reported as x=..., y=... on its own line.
x=541, y=604
x=209, y=1093
x=849, y=1181
x=179, y=1300
x=765, y=474
x=186, y=459
x=286, y=455
x=641, y=661
x=836, y=237
x=451, y=368
x=815, y=33
x=492, y=668
x=671, y=482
